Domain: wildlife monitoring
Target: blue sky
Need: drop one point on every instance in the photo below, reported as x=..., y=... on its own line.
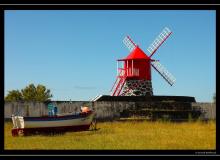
x=74, y=53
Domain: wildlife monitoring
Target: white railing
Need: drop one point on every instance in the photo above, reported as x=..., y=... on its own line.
x=121, y=72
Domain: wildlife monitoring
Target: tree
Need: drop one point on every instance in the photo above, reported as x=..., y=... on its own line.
x=14, y=95
x=42, y=94
x=39, y=93
x=30, y=93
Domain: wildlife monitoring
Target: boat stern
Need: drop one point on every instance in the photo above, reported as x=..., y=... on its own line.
x=18, y=125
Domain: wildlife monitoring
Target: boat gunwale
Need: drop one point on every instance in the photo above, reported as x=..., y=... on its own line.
x=58, y=118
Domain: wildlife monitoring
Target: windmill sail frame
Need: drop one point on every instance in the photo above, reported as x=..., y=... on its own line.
x=161, y=38
x=163, y=72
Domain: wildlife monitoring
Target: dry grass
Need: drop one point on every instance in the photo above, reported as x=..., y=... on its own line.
x=123, y=135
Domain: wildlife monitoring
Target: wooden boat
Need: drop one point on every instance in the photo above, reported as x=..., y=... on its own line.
x=62, y=122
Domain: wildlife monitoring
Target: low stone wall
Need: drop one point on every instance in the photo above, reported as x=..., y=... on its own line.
x=147, y=98
x=111, y=110
x=105, y=110
x=208, y=109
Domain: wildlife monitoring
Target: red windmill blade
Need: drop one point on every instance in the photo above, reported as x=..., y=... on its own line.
x=161, y=38
x=129, y=43
x=155, y=64
x=163, y=72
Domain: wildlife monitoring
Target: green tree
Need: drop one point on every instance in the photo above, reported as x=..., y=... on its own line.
x=42, y=94
x=14, y=95
x=39, y=93
x=30, y=93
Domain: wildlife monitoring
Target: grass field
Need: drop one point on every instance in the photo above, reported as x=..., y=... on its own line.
x=123, y=135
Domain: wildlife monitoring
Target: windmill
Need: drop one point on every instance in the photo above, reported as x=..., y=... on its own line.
x=134, y=75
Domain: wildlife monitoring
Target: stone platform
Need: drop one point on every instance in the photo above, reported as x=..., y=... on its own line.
x=176, y=108
x=147, y=98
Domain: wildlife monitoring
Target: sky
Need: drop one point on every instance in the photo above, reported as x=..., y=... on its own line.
x=74, y=52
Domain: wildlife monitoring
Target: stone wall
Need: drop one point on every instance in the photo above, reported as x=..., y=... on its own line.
x=111, y=110
x=137, y=88
x=208, y=109
x=146, y=98
x=105, y=110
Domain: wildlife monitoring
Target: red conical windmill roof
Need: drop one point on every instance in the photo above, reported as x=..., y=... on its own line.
x=137, y=53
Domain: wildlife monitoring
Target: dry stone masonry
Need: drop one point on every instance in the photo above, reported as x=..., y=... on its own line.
x=137, y=88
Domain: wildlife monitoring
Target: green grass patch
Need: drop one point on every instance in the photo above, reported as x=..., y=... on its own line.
x=129, y=135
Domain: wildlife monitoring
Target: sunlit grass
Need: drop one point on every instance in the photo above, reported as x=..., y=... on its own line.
x=123, y=135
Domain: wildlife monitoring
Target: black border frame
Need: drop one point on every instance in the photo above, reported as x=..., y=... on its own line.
x=194, y=153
